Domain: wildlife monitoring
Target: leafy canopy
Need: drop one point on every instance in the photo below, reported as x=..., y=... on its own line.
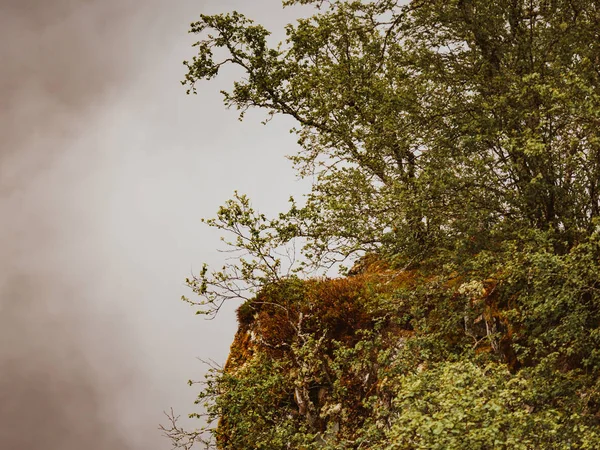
x=457, y=138
x=429, y=128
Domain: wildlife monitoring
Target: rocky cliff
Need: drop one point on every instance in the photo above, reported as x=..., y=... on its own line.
x=389, y=358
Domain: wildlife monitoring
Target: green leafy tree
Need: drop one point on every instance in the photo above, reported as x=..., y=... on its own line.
x=457, y=140
x=448, y=119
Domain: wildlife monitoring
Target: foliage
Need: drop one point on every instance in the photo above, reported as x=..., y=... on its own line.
x=451, y=120
x=461, y=405
x=455, y=144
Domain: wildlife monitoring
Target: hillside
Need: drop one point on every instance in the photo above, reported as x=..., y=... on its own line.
x=403, y=359
x=454, y=146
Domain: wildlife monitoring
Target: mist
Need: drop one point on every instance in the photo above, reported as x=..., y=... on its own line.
x=106, y=168
x=58, y=380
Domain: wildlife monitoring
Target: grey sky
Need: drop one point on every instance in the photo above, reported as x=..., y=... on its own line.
x=106, y=168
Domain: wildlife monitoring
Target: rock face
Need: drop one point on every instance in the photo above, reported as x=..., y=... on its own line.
x=388, y=358
x=312, y=331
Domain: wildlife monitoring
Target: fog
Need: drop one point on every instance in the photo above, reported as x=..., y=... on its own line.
x=106, y=168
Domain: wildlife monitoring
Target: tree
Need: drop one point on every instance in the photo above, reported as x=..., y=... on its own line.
x=449, y=119
x=455, y=137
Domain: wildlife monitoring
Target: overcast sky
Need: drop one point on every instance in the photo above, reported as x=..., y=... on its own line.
x=106, y=168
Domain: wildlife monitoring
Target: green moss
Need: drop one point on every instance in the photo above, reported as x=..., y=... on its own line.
x=245, y=313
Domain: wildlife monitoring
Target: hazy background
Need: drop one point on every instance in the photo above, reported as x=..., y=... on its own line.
x=106, y=168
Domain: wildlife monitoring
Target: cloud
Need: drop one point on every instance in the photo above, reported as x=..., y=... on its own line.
x=61, y=60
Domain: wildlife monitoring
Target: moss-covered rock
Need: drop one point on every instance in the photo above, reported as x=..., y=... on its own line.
x=395, y=359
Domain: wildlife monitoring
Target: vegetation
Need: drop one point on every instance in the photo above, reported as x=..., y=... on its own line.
x=454, y=148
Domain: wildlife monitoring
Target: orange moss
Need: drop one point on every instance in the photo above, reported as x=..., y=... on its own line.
x=337, y=307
